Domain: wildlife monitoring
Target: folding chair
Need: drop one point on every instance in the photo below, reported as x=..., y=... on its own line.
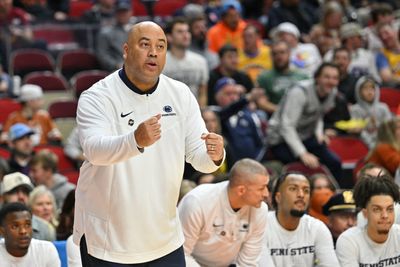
x=71, y=62
x=24, y=61
x=84, y=79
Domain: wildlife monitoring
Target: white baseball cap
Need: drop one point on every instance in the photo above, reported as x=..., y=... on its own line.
x=13, y=180
x=30, y=92
x=288, y=28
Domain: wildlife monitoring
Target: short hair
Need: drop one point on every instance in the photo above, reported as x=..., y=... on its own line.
x=237, y=174
x=324, y=65
x=47, y=159
x=10, y=208
x=169, y=27
x=279, y=181
x=340, y=49
x=380, y=9
x=370, y=165
x=252, y=26
x=225, y=49
x=369, y=186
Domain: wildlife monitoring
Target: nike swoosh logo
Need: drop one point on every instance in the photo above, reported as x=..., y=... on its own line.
x=124, y=115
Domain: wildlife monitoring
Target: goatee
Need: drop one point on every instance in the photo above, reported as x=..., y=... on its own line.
x=297, y=213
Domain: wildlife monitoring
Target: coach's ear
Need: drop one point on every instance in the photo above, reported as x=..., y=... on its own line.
x=278, y=197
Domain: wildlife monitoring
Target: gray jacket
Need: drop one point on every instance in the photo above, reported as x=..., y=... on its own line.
x=299, y=113
x=61, y=188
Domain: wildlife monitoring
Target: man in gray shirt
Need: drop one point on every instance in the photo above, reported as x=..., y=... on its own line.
x=295, y=129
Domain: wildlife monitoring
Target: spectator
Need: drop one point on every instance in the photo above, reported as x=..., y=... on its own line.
x=291, y=235
x=66, y=218
x=386, y=153
x=184, y=65
x=229, y=60
x=21, y=146
x=33, y=115
x=341, y=212
x=229, y=28
x=110, y=39
x=198, y=29
x=297, y=12
x=42, y=203
x=377, y=243
x=303, y=57
x=73, y=148
x=101, y=14
x=44, y=172
x=293, y=130
x=255, y=56
x=18, y=247
x=369, y=108
x=16, y=188
x=224, y=223
x=276, y=81
x=42, y=11
x=241, y=126
x=347, y=83
x=6, y=84
x=389, y=57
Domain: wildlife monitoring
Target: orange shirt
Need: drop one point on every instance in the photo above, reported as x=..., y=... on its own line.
x=219, y=35
x=41, y=122
x=386, y=156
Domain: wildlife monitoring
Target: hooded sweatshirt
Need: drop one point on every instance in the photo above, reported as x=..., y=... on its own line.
x=375, y=113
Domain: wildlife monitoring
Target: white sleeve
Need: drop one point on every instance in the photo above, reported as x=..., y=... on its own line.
x=265, y=257
x=191, y=217
x=347, y=251
x=324, y=250
x=249, y=254
x=195, y=149
x=73, y=254
x=52, y=258
x=72, y=146
x=99, y=145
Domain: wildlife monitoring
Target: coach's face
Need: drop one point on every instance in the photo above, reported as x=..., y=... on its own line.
x=145, y=54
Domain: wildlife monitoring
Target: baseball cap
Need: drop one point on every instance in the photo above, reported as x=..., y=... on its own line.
x=288, y=28
x=13, y=180
x=123, y=5
x=222, y=82
x=18, y=131
x=227, y=4
x=340, y=202
x=30, y=92
x=350, y=29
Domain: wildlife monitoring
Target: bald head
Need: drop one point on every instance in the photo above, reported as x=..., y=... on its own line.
x=145, y=54
x=244, y=172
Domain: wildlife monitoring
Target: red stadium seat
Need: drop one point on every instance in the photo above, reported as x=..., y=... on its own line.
x=63, y=109
x=71, y=62
x=57, y=37
x=391, y=97
x=349, y=149
x=7, y=106
x=49, y=81
x=78, y=7
x=24, y=61
x=4, y=153
x=84, y=79
x=64, y=163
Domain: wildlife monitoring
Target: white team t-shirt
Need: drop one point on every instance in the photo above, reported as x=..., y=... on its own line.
x=355, y=248
x=40, y=254
x=309, y=245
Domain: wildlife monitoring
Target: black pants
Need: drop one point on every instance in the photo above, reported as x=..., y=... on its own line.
x=174, y=259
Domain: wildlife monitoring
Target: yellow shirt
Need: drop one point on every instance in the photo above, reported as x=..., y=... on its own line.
x=254, y=65
x=394, y=61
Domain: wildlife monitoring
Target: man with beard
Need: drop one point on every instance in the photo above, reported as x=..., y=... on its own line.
x=376, y=244
x=276, y=81
x=21, y=148
x=18, y=248
x=293, y=238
